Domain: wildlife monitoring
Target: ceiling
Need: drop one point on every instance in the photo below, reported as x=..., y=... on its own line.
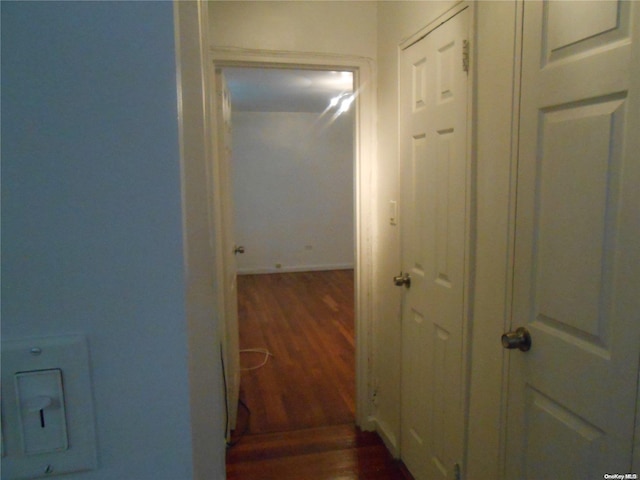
x=284, y=90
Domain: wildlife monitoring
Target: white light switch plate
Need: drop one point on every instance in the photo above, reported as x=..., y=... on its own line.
x=46, y=381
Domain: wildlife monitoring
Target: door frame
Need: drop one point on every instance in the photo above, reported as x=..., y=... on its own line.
x=364, y=199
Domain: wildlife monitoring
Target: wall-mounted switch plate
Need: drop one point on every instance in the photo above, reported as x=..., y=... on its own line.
x=47, y=407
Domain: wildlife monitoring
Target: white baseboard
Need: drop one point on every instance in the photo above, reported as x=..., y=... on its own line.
x=297, y=268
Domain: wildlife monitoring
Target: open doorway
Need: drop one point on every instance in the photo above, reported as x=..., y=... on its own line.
x=292, y=178
x=363, y=204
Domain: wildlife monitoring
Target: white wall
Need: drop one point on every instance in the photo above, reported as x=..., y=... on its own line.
x=91, y=216
x=293, y=189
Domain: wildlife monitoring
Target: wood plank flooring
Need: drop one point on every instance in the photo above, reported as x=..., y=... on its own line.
x=306, y=321
x=302, y=401
x=324, y=453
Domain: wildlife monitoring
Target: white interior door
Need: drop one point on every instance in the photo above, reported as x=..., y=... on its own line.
x=572, y=397
x=225, y=230
x=435, y=171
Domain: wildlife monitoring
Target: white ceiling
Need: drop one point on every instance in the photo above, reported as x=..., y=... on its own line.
x=284, y=90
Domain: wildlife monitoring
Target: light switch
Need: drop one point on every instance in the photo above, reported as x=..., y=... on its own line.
x=47, y=407
x=40, y=398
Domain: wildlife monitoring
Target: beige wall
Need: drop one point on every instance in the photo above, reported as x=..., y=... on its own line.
x=493, y=62
x=320, y=27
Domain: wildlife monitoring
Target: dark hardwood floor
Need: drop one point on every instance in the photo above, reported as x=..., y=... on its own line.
x=306, y=321
x=296, y=419
x=323, y=453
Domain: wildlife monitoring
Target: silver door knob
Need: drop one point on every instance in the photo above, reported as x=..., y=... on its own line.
x=238, y=249
x=402, y=279
x=520, y=339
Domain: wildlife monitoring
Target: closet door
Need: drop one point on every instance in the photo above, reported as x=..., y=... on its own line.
x=434, y=219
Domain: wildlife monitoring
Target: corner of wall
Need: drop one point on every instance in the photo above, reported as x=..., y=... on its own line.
x=205, y=369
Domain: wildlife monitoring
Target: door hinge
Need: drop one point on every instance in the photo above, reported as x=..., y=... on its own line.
x=465, y=55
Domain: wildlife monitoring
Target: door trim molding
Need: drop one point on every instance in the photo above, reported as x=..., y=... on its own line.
x=364, y=136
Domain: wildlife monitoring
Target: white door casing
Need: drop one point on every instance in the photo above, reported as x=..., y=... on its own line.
x=434, y=218
x=364, y=84
x=572, y=397
x=226, y=233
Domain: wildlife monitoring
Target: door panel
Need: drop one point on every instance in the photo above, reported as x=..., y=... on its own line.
x=577, y=201
x=572, y=397
x=434, y=183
